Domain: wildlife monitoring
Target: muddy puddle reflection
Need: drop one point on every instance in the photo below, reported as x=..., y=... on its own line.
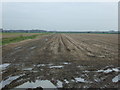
x=38, y=84
x=56, y=75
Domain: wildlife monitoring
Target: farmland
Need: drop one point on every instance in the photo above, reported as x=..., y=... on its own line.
x=62, y=61
x=16, y=37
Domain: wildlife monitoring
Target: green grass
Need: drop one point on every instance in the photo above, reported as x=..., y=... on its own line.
x=16, y=39
x=0, y=42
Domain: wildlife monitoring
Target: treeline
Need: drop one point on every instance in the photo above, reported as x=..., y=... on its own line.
x=44, y=31
x=23, y=31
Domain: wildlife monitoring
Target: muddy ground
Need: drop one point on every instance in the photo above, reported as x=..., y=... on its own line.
x=62, y=61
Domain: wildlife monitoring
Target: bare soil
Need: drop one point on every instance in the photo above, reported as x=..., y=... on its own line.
x=64, y=57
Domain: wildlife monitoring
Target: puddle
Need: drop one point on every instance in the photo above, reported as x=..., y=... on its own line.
x=39, y=65
x=56, y=66
x=59, y=84
x=97, y=80
x=27, y=69
x=86, y=71
x=109, y=70
x=80, y=79
x=4, y=66
x=66, y=63
x=105, y=71
x=41, y=69
x=8, y=81
x=116, y=79
x=85, y=86
x=33, y=47
x=115, y=69
x=46, y=39
x=34, y=71
x=73, y=80
x=80, y=66
x=66, y=81
x=37, y=83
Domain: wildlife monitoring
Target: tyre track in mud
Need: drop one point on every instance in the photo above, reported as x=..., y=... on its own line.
x=80, y=47
x=98, y=47
x=53, y=47
x=73, y=47
x=11, y=52
x=98, y=40
x=84, y=47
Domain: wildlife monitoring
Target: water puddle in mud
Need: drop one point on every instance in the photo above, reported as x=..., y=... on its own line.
x=8, y=81
x=66, y=81
x=56, y=66
x=59, y=84
x=39, y=65
x=115, y=69
x=66, y=63
x=80, y=66
x=109, y=70
x=116, y=79
x=86, y=71
x=27, y=69
x=49, y=84
x=4, y=66
x=37, y=83
x=80, y=79
x=97, y=80
x=105, y=71
x=46, y=39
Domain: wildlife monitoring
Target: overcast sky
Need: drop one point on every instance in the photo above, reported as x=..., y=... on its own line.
x=60, y=15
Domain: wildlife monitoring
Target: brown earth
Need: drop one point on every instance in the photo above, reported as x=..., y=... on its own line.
x=80, y=55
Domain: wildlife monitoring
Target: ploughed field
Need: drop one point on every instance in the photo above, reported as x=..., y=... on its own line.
x=62, y=61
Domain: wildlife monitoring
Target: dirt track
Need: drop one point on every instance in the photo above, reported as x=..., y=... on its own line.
x=66, y=58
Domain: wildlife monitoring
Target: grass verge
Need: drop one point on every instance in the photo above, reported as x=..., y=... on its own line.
x=16, y=39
